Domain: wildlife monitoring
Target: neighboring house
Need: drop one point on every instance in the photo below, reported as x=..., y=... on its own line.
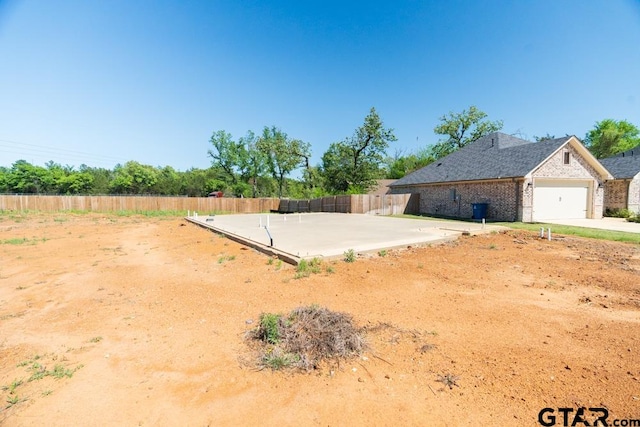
x=623, y=192
x=518, y=180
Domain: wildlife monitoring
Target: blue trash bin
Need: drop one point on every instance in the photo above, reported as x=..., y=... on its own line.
x=480, y=210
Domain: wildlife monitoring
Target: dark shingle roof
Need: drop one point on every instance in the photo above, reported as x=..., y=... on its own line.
x=624, y=165
x=496, y=155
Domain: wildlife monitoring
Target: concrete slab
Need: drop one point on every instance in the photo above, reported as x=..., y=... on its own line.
x=326, y=235
x=615, y=224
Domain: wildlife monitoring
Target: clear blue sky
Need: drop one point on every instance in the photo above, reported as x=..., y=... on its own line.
x=102, y=82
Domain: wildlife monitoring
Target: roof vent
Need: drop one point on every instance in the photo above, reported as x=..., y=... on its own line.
x=439, y=164
x=491, y=142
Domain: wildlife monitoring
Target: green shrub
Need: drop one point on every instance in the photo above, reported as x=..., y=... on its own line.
x=634, y=218
x=618, y=213
x=350, y=256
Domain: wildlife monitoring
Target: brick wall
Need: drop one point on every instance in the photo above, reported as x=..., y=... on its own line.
x=615, y=196
x=438, y=199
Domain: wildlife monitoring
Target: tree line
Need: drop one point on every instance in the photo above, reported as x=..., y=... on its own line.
x=261, y=165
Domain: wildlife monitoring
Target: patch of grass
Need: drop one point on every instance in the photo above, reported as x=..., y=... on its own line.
x=13, y=399
x=95, y=339
x=46, y=393
x=11, y=388
x=225, y=258
x=277, y=359
x=590, y=233
x=492, y=246
x=349, y=256
x=329, y=269
x=382, y=253
x=59, y=371
x=279, y=264
x=306, y=268
x=23, y=241
x=15, y=241
x=269, y=330
x=39, y=370
x=152, y=214
x=270, y=261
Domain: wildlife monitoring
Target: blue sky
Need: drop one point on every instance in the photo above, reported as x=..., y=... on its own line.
x=103, y=82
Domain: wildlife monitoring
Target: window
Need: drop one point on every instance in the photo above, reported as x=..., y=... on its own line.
x=452, y=194
x=566, y=157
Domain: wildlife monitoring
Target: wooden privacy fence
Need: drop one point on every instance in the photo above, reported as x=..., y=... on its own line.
x=202, y=205
x=387, y=204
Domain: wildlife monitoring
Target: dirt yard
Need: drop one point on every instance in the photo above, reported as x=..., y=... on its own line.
x=124, y=321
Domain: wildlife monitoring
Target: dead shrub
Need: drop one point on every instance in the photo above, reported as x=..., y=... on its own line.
x=307, y=337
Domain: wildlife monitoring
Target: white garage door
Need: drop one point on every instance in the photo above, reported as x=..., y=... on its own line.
x=560, y=200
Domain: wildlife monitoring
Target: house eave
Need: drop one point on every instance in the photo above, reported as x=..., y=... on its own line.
x=472, y=181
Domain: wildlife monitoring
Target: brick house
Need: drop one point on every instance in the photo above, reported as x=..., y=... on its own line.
x=518, y=180
x=623, y=191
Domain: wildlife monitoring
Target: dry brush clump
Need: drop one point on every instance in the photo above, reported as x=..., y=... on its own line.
x=306, y=337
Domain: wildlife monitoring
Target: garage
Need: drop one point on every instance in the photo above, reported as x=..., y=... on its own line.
x=554, y=199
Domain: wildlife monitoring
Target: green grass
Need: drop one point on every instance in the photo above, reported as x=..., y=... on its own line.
x=306, y=268
x=224, y=258
x=11, y=388
x=152, y=214
x=22, y=241
x=13, y=399
x=269, y=327
x=591, y=233
x=277, y=361
x=382, y=253
x=39, y=371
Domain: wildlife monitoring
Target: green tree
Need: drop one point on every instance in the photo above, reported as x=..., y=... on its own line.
x=610, y=137
x=544, y=138
x=400, y=165
x=100, y=179
x=283, y=154
x=168, y=182
x=460, y=129
x=133, y=178
x=226, y=154
x=353, y=165
x=4, y=176
x=253, y=162
x=27, y=178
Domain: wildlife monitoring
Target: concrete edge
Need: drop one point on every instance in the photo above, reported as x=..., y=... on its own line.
x=267, y=250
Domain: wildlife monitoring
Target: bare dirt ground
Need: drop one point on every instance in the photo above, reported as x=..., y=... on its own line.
x=144, y=320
